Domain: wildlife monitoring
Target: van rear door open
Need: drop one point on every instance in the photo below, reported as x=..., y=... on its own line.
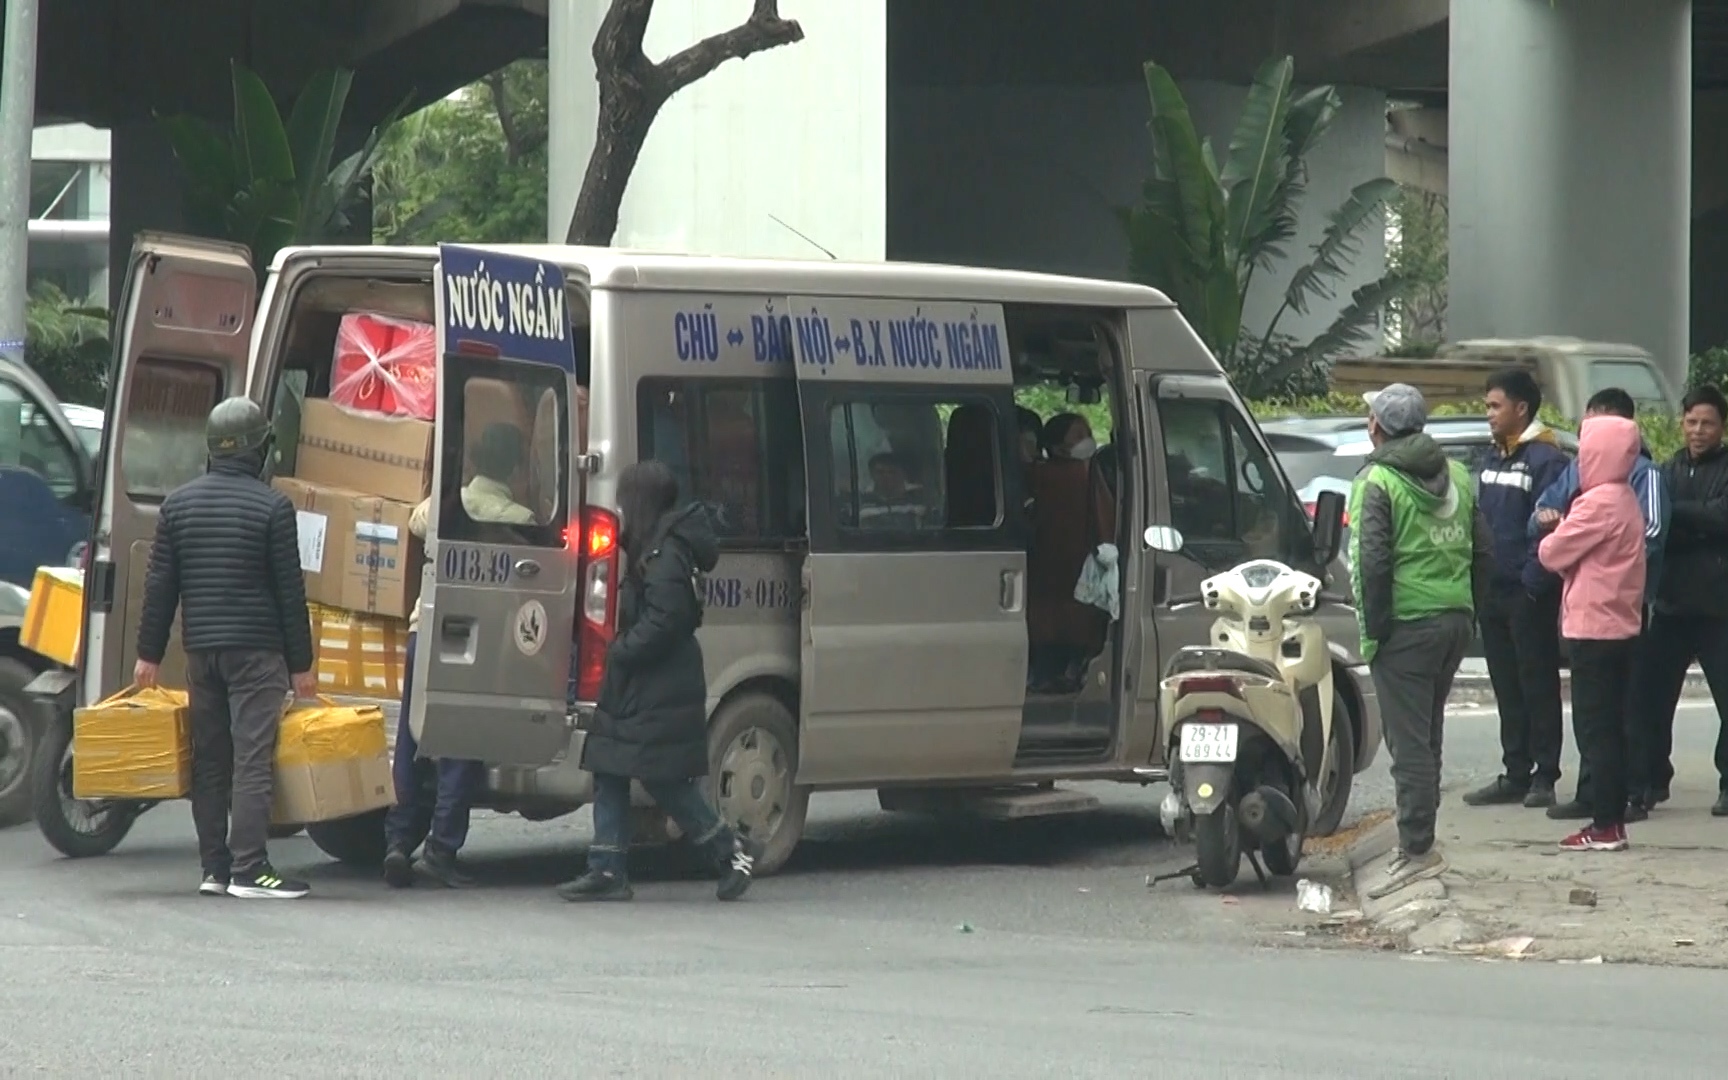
x=497, y=605
x=184, y=334
x=914, y=616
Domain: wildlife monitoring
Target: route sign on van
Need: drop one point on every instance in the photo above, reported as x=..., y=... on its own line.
x=514, y=306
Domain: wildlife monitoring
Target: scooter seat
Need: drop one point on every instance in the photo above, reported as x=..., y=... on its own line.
x=1196, y=658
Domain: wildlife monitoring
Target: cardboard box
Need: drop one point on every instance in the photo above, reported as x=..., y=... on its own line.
x=54, y=618
x=331, y=762
x=390, y=457
x=134, y=745
x=359, y=654
x=355, y=549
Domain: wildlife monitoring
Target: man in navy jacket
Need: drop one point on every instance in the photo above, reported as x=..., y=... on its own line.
x=1520, y=614
x=1652, y=492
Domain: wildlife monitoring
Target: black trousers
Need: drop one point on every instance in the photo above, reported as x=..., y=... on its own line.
x=1521, y=641
x=1638, y=753
x=1601, y=672
x=1671, y=645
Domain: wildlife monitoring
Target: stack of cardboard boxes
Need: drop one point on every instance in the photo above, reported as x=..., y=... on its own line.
x=359, y=474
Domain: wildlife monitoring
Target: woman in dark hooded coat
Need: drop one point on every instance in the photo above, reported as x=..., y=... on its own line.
x=651, y=720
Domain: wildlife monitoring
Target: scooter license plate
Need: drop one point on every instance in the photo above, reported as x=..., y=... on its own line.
x=1209, y=743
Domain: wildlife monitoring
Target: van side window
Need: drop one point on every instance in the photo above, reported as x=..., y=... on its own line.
x=507, y=439
x=911, y=464
x=1223, y=489
x=162, y=435
x=29, y=440
x=726, y=442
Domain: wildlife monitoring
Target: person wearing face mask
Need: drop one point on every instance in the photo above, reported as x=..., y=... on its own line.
x=1075, y=515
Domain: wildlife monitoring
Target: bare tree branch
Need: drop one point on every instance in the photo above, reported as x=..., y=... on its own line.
x=764, y=30
x=632, y=90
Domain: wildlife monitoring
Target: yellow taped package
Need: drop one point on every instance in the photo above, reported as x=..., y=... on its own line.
x=54, y=619
x=332, y=761
x=134, y=745
x=359, y=654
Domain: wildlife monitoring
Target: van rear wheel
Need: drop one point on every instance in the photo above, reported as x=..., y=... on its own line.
x=355, y=841
x=752, y=764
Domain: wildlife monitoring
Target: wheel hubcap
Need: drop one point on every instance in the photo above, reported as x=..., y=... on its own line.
x=14, y=751
x=754, y=783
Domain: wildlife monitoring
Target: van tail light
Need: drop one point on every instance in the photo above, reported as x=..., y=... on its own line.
x=1209, y=684
x=598, y=560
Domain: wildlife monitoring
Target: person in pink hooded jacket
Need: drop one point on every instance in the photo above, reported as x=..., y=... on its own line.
x=1598, y=551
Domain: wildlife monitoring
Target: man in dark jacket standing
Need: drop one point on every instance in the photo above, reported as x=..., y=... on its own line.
x=227, y=555
x=1690, y=620
x=1520, y=611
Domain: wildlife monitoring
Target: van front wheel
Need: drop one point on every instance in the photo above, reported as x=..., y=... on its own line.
x=752, y=765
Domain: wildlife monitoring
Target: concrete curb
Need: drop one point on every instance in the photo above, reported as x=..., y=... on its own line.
x=1472, y=688
x=1417, y=917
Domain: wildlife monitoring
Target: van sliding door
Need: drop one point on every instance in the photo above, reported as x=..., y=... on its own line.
x=914, y=621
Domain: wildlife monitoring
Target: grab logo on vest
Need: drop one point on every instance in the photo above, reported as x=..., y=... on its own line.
x=1447, y=533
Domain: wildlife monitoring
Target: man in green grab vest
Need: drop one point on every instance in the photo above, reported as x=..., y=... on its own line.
x=1418, y=552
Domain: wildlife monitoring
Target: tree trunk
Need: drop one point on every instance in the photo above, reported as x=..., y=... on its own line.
x=632, y=90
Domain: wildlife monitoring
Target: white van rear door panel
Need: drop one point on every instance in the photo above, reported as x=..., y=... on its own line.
x=184, y=333
x=913, y=636
x=492, y=662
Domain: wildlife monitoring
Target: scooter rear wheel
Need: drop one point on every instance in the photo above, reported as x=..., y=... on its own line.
x=1218, y=846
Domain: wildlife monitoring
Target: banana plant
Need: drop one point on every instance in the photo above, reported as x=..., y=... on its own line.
x=269, y=182
x=1203, y=228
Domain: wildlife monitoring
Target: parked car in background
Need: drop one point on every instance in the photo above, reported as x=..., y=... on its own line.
x=1324, y=453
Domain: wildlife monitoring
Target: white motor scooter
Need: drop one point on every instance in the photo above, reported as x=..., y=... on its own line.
x=1247, y=721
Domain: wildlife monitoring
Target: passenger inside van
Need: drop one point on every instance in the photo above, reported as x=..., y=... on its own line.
x=489, y=498
x=890, y=503
x=1076, y=513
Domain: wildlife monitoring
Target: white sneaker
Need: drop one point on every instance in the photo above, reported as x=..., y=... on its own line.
x=1406, y=869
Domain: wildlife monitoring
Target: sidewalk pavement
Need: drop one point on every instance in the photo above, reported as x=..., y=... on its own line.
x=1664, y=901
x=1472, y=687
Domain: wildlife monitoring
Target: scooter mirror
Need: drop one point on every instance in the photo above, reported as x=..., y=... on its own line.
x=1164, y=538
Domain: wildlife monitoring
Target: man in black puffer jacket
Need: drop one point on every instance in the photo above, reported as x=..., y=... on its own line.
x=1691, y=617
x=227, y=555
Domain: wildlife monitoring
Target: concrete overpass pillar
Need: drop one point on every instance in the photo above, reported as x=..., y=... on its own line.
x=1571, y=143
x=145, y=193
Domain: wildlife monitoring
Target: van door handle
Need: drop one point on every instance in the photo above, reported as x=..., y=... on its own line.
x=1011, y=598
x=527, y=568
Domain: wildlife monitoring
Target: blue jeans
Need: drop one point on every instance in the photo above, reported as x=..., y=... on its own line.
x=432, y=797
x=681, y=799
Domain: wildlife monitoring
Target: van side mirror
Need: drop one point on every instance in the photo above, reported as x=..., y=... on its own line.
x=1163, y=538
x=1328, y=526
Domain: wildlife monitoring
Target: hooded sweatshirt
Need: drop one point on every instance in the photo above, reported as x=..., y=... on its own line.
x=1598, y=548
x=1649, y=485
x=1514, y=477
x=1418, y=546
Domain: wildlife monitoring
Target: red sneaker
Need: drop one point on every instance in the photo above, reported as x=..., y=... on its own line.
x=1591, y=838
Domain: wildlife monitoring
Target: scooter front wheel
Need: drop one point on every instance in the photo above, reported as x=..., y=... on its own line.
x=1218, y=846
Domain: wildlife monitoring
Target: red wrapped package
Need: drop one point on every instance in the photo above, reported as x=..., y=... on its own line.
x=386, y=366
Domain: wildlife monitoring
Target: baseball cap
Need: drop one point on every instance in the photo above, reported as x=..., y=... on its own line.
x=1400, y=409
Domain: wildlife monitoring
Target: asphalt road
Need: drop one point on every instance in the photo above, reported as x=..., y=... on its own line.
x=891, y=947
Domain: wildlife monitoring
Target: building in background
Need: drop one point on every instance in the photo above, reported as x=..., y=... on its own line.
x=70, y=170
